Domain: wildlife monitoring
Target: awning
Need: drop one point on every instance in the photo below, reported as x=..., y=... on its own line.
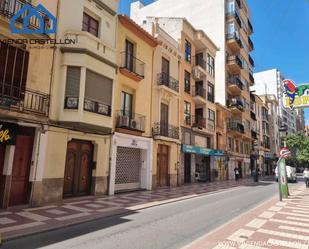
x=201, y=150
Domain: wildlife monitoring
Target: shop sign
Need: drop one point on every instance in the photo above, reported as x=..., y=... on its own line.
x=269, y=155
x=8, y=133
x=201, y=150
x=295, y=96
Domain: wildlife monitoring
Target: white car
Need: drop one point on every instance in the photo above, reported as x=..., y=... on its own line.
x=291, y=173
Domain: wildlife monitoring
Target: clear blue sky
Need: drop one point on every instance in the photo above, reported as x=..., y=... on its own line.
x=281, y=36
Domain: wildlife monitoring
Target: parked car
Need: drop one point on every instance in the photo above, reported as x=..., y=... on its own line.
x=291, y=173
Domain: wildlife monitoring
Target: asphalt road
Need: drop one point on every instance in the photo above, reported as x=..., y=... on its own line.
x=167, y=226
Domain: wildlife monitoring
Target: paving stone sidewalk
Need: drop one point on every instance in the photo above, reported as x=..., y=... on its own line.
x=275, y=225
x=18, y=222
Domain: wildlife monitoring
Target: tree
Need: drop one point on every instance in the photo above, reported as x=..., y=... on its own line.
x=301, y=143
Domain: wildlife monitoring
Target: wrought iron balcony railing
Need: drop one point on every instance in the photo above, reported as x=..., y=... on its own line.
x=236, y=126
x=236, y=102
x=29, y=101
x=9, y=8
x=234, y=59
x=165, y=130
x=132, y=64
x=97, y=107
x=199, y=122
x=236, y=81
x=168, y=81
x=199, y=91
x=200, y=62
x=234, y=36
x=131, y=121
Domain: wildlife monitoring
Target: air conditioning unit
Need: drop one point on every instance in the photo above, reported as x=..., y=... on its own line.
x=196, y=73
x=123, y=121
x=134, y=124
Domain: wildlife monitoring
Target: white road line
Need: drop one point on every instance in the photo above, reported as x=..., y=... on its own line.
x=299, y=215
x=256, y=223
x=295, y=229
x=301, y=224
x=284, y=235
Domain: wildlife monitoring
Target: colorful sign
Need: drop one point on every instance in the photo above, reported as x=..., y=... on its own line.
x=201, y=150
x=8, y=133
x=295, y=96
x=284, y=153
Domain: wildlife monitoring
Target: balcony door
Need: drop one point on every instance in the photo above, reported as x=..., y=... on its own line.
x=199, y=114
x=126, y=104
x=129, y=55
x=165, y=70
x=164, y=119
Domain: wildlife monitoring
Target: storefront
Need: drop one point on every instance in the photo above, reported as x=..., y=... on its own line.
x=204, y=161
x=270, y=160
x=131, y=163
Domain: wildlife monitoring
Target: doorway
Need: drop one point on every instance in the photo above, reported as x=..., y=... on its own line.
x=19, y=192
x=78, y=168
x=187, y=168
x=240, y=169
x=162, y=166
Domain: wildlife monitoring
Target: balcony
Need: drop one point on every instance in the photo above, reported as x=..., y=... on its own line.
x=252, y=81
x=199, y=69
x=235, y=15
x=29, y=102
x=254, y=134
x=252, y=97
x=132, y=67
x=234, y=64
x=250, y=27
x=236, y=127
x=130, y=121
x=253, y=116
x=9, y=8
x=251, y=61
x=251, y=46
x=199, y=122
x=199, y=95
x=236, y=105
x=234, y=42
x=165, y=80
x=235, y=85
x=165, y=130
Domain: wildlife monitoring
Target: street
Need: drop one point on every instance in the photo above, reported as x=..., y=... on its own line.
x=171, y=225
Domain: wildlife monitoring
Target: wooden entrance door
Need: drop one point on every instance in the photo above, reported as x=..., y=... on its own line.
x=77, y=177
x=162, y=161
x=21, y=170
x=187, y=168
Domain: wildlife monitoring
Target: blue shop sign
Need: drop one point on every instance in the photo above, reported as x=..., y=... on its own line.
x=201, y=150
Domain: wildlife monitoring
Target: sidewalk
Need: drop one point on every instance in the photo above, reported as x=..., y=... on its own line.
x=18, y=222
x=276, y=225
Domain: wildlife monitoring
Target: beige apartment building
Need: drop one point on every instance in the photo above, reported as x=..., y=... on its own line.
x=132, y=144
x=25, y=88
x=74, y=155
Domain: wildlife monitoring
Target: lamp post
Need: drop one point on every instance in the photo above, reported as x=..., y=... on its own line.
x=281, y=166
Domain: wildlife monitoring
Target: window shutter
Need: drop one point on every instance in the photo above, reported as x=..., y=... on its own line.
x=72, y=82
x=98, y=88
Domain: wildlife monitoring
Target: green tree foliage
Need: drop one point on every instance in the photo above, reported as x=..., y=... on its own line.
x=301, y=143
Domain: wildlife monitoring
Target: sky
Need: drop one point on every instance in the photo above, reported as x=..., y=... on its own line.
x=281, y=36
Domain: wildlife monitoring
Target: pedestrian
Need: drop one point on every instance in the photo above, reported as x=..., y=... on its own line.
x=306, y=176
x=237, y=173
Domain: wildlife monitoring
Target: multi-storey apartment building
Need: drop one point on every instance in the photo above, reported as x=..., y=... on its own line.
x=25, y=87
x=165, y=107
x=228, y=25
x=300, y=120
x=75, y=146
x=270, y=83
x=132, y=145
x=196, y=102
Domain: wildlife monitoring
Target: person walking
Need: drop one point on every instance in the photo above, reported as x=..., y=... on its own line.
x=237, y=173
x=306, y=177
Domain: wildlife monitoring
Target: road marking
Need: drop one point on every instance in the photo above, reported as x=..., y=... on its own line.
x=281, y=204
x=296, y=218
x=297, y=208
x=295, y=229
x=256, y=223
x=290, y=222
x=283, y=243
x=299, y=215
x=284, y=235
x=275, y=209
x=267, y=215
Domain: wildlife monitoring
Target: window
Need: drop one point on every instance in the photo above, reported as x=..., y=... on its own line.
x=241, y=147
x=72, y=87
x=208, y=142
x=188, y=51
x=126, y=103
x=230, y=143
x=98, y=93
x=129, y=63
x=210, y=65
x=187, y=113
x=90, y=25
x=211, y=115
x=230, y=8
x=231, y=28
x=210, y=92
x=187, y=82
